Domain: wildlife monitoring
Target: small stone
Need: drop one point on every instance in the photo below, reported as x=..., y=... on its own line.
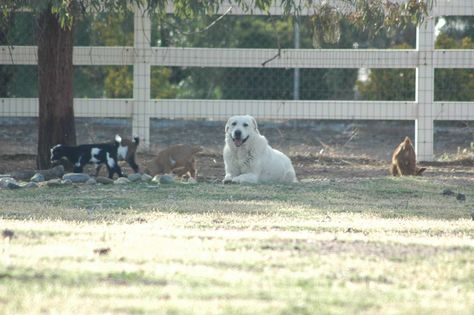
x=166, y=179
x=461, y=197
x=91, y=181
x=146, y=178
x=102, y=251
x=66, y=182
x=447, y=192
x=54, y=182
x=31, y=185
x=122, y=181
x=5, y=180
x=135, y=177
x=156, y=179
x=77, y=177
x=38, y=178
x=104, y=180
x=13, y=185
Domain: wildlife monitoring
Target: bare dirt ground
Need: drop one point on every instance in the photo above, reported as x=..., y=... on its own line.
x=344, y=150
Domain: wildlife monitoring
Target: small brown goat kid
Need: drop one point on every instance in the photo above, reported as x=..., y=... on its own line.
x=178, y=159
x=404, y=160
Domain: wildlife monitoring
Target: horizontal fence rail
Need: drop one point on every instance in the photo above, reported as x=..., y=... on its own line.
x=142, y=57
x=250, y=58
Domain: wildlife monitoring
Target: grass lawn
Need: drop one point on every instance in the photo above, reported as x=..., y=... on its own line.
x=372, y=246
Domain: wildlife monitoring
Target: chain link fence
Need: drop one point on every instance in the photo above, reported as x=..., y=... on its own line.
x=97, y=81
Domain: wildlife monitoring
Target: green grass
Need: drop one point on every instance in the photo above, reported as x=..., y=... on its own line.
x=378, y=246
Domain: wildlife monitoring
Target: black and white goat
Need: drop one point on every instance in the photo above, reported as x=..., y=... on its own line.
x=126, y=151
x=95, y=154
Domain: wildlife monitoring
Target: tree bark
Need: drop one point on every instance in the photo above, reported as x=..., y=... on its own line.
x=55, y=83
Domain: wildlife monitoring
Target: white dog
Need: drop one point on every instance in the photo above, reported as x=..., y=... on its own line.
x=249, y=159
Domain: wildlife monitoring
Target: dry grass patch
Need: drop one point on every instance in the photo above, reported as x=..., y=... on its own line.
x=328, y=248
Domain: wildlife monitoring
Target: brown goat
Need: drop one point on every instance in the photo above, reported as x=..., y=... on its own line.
x=178, y=159
x=404, y=160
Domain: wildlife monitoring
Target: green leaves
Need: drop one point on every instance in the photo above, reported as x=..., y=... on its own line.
x=372, y=14
x=63, y=10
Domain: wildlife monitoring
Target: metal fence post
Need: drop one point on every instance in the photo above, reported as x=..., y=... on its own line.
x=141, y=77
x=425, y=91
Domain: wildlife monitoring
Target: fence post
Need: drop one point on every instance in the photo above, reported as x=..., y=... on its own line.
x=141, y=77
x=425, y=91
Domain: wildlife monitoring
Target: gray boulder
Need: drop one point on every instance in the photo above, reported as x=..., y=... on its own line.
x=122, y=181
x=166, y=179
x=31, y=185
x=146, y=178
x=54, y=182
x=66, y=182
x=38, y=178
x=91, y=181
x=135, y=177
x=77, y=177
x=104, y=180
x=13, y=185
x=5, y=180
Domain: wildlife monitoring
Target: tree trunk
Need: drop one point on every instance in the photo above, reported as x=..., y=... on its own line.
x=55, y=76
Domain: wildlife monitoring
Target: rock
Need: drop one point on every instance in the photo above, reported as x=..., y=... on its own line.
x=156, y=179
x=122, y=181
x=77, y=177
x=55, y=172
x=135, y=177
x=146, y=178
x=13, y=185
x=31, y=185
x=66, y=182
x=5, y=180
x=104, y=180
x=102, y=251
x=166, y=179
x=461, y=197
x=91, y=181
x=37, y=178
x=447, y=192
x=54, y=182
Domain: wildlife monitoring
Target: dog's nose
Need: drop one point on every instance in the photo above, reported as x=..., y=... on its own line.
x=237, y=134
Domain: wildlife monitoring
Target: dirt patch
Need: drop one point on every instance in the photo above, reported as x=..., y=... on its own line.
x=320, y=150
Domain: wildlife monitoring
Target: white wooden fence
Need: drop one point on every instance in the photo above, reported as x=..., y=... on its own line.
x=424, y=111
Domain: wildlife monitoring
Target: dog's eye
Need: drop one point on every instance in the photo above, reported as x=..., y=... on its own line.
x=234, y=123
x=246, y=125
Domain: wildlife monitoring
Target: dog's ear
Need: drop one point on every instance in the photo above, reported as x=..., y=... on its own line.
x=227, y=126
x=254, y=125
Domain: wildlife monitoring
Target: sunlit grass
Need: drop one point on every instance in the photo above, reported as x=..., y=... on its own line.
x=383, y=246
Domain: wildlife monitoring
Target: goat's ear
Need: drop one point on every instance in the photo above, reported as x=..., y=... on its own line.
x=136, y=139
x=118, y=138
x=255, y=126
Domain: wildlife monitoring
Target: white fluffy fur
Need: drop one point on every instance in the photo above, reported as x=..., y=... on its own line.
x=253, y=161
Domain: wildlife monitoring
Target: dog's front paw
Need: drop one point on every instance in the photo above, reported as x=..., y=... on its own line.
x=227, y=180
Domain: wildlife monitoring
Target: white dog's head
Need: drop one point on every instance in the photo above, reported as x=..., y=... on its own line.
x=239, y=129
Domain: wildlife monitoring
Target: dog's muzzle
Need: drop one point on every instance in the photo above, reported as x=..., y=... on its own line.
x=237, y=138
